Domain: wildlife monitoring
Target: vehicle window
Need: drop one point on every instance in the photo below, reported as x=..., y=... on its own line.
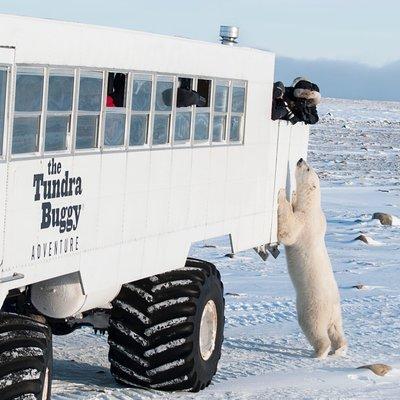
x=90, y=92
x=221, y=98
x=204, y=90
x=89, y=107
x=186, y=98
x=139, y=129
x=163, y=110
x=114, y=129
x=60, y=94
x=219, y=128
x=182, y=126
x=25, y=135
x=140, y=109
x=59, y=110
x=86, y=131
x=235, y=129
x=27, y=110
x=202, y=113
x=116, y=89
x=3, y=93
x=161, y=129
x=57, y=128
x=141, y=94
x=238, y=94
x=202, y=126
x=164, y=95
x=237, y=112
x=29, y=91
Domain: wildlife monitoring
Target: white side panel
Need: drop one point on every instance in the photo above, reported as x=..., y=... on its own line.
x=7, y=55
x=3, y=183
x=52, y=249
x=292, y=145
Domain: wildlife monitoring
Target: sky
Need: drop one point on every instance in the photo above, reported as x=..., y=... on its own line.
x=353, y=31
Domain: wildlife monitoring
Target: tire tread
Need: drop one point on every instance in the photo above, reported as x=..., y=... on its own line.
x=150, y=308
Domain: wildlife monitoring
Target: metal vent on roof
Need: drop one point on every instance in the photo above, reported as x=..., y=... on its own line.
x=229, y=34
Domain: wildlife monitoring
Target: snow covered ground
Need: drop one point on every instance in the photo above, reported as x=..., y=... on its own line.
x=356, y=150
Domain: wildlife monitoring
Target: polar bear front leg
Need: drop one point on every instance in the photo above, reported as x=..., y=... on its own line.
x=289, y=226
x=294, y=198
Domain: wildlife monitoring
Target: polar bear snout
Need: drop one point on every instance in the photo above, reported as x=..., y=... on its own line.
x=301, y=161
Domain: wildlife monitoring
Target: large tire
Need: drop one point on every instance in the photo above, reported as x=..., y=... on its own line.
x=26, y=358
x=154, y=332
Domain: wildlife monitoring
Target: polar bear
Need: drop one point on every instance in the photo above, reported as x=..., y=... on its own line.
x=301, y=229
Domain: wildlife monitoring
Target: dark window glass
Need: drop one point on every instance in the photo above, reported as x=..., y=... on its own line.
x=25, y=135
x=3, y=92
x=57, y=128
x=86, y=131
x=219, y=128
x=204, y=90
x=182, y=126
x=202, y=126
x=60, y=94
x=164, y=96
x=139, y=127
x=114, y=129
x=141, y=95
x=161, y=129
x=238, y=95
x=90, y=93
x=116, y=89
x=29, y=92
x=221, y=98
x=236, y=127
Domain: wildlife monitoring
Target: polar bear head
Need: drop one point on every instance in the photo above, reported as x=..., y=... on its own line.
x=307, y=186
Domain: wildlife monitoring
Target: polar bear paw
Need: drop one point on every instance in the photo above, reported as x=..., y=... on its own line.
x=282, y=196
x=322, y=354
x=322, y=348
x=341, y=351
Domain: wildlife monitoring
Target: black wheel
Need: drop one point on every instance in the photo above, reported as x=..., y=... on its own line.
x=166, y=331
x=26, y=358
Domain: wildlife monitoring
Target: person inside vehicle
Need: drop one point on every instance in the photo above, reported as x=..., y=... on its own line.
x=185, y=96
x=116, y=90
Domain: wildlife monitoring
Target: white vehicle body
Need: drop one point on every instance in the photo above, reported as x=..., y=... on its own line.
x=134, y=211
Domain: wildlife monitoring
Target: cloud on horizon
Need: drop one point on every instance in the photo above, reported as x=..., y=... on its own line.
x=344, y=79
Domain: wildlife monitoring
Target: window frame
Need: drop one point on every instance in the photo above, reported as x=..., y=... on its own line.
x=8, y=100
x=69, y=136
x=225, y=135
x=79, y=113
x=80, y=71
x=210, y=109
x=28, y=114
x=170, y=113
x=149, y=113
x=115, y=110
x=183, y=110
x=242, y=84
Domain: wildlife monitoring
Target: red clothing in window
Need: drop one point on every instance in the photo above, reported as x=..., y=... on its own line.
x=110, y=102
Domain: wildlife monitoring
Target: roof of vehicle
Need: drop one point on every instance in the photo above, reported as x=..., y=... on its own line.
x=47, y=41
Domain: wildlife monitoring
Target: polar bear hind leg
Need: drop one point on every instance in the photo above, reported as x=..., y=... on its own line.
x=321, y=343
x=317, y=336
x=339, y=343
